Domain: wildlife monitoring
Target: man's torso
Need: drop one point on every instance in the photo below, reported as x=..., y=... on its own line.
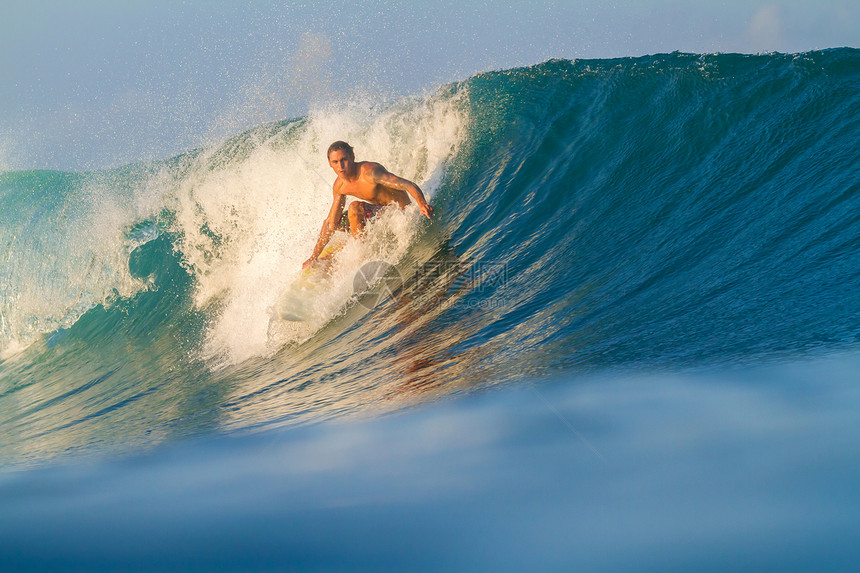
x=364, y=188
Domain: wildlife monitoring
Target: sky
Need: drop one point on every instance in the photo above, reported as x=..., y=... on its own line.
x=95, y=84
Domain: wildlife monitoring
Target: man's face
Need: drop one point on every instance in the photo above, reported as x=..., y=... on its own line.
x=340, y=161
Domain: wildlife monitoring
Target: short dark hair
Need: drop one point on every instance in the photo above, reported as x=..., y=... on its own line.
x=340, y=146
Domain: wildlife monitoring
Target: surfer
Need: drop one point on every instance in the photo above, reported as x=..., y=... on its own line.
x=372, y=185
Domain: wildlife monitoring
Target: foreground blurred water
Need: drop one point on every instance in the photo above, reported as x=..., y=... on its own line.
x=743, y=469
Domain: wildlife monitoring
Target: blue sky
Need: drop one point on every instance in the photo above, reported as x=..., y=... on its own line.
x=91, y=84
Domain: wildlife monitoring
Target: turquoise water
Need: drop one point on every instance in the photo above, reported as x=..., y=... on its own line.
x=654, y=259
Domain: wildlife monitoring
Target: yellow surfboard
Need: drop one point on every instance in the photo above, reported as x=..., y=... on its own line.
x=295, y=303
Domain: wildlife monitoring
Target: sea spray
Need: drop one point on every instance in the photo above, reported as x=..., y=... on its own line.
x=247, y=221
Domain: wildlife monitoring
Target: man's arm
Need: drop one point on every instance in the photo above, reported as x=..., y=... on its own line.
x=382, y=177
x=328, y=227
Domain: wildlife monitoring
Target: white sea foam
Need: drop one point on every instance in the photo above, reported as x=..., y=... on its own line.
x=247, y=214
x=249, y=221
x=64, y=249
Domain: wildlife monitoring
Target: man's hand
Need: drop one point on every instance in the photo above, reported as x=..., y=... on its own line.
x=426, y=210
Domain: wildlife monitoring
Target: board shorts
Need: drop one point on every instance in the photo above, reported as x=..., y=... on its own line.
x=370, y=211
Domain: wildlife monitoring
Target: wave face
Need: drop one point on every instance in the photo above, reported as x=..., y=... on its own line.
x=670, y=211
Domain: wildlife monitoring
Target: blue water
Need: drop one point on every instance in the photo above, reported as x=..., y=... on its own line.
x=628, y=338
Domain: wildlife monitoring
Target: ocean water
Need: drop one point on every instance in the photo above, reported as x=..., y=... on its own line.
x=628, y=338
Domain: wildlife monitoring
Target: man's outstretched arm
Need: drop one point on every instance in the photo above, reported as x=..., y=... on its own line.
x=382, y=177
x=328, y=227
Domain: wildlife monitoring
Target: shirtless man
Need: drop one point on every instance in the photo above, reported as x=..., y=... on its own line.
x=369, y=182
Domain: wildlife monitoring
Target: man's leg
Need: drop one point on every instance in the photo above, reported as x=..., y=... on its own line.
x=356, y=218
